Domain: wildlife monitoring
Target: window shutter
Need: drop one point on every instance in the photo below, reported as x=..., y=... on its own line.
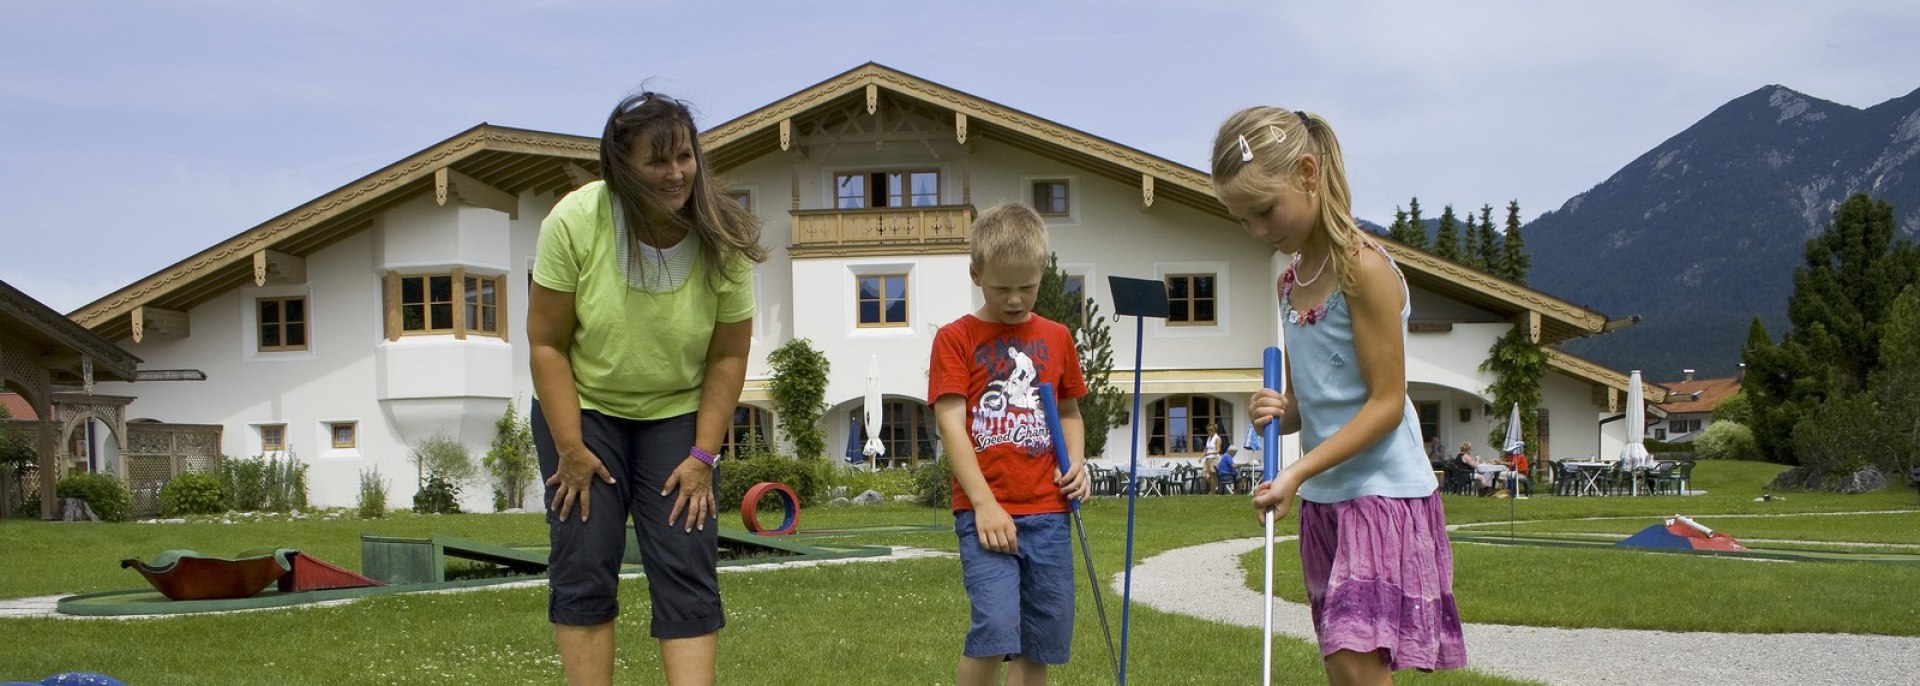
x=393, y=306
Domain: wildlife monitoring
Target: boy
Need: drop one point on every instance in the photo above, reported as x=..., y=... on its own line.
x=1010, y=499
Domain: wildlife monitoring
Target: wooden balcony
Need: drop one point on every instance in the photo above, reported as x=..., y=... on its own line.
x=936, y=229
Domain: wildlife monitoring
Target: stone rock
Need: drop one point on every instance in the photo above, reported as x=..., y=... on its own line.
x=1866, y=480
x=909, y=498
x=837, y=492
x=869, y=497
x=839, y=502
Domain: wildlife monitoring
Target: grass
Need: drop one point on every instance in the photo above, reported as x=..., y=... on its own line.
x=891, y=622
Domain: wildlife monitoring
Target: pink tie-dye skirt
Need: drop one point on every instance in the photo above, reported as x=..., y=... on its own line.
x=1379, y=576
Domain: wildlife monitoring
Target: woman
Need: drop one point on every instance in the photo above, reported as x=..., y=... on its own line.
x=639, y=320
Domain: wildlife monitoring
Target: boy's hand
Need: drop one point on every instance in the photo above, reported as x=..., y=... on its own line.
x=1074, y=483
x=1275, y=495
x=995, y=528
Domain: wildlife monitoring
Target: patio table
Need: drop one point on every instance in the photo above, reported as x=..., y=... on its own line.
x=1589, y=473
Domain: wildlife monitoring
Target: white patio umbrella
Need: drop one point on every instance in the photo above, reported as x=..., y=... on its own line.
x=874, y=448
x=1634, y=455
x=1515, y=443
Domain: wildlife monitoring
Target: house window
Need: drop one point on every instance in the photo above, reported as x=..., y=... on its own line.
x=1178, y=424
x=283, y=324
x=1050, y=197
x=273, y=438
x=455, y=303
x=1076, y=290
x=483, y=305
x=345, y=435
x=1683, y=426
x=745, y=198
x=872, y=189
x=749, y=432
x=906, y=430
x=882, y=300
x=1190, y=299
x=1429, y=415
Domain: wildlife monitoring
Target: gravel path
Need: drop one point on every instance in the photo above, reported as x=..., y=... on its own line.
x=1204, y=581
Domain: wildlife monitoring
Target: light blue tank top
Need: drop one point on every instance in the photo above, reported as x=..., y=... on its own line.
x=1329, y=390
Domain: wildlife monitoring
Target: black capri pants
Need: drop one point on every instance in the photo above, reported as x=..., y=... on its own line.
x=583, y=574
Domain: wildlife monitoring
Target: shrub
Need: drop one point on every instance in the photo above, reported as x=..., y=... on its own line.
x=373, y=495
x=440, y=455
x=446, y=467
x=264, y=484
x=1726, y=440
x=193, y=493
x=437, y=496
x=933, y=482
x=109, y=500
x=511, y=461
x=29, y=506
x=738, y=475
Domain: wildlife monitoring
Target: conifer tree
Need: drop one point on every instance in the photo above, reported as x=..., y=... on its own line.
x=1446, y=241
x=1100, y=408
x=1398, y=231
x=1490, y=254
x=1416, y=227
x=1470, y=254
x=1513, y=248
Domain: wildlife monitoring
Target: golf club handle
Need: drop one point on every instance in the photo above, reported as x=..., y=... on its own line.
x=1051, y=406
x=1274, y=376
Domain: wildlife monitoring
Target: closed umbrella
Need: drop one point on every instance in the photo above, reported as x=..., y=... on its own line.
x=874, y=449
x=1634, y=456
x=1515, y=443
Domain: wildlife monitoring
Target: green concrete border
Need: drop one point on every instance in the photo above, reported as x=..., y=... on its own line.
x=146, y=601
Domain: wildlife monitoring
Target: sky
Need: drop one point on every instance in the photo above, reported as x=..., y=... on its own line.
x=135, y=134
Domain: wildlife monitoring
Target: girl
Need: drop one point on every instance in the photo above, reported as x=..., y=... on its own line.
x=1373, y=541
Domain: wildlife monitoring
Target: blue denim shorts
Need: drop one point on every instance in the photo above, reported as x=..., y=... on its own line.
x=1022, y=603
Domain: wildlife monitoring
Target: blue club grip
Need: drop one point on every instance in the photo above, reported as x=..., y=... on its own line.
x=1274, y=377
x=1051, y=406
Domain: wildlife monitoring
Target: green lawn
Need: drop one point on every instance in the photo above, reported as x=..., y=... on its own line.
x=890, y=622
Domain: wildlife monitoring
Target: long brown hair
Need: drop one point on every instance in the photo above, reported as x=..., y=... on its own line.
x=664, y=123
x=1276, y=138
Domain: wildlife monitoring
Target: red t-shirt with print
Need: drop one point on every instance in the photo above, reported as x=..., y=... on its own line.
x=998, y=369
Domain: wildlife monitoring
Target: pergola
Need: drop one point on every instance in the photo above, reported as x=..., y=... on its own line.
x=41, y=349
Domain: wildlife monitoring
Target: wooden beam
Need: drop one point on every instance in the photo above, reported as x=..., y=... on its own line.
x=273, y=266
x=786, y=134
x=873, y=98
x=452, y=185
x=1146, y=191
x=578, y=174
x=154, y=322
x=960, y=127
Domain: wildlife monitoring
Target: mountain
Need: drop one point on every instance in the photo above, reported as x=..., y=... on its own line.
x=1702, y=233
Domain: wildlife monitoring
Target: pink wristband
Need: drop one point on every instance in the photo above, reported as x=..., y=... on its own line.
x=696, y=453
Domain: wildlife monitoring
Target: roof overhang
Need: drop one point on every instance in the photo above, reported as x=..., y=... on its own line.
x=511, y=160
x=1592, y=372
x=63, y=347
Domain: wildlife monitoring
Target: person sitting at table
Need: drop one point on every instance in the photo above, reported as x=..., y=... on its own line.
x=1224, y=474
x=1516, y=476
x=1482, y=480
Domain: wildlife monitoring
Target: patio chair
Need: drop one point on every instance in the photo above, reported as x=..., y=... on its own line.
x=1681, y=476
x=1459, y=480
x=1659, y=477
x=1566, y=480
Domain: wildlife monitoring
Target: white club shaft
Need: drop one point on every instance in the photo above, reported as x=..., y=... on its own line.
x=1266, y=645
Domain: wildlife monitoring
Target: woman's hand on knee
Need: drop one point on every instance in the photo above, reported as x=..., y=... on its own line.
x=694, y=479
x=573, y=481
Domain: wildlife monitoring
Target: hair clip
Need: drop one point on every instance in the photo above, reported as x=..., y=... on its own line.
x=1278, y=135
x=1246, y=151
